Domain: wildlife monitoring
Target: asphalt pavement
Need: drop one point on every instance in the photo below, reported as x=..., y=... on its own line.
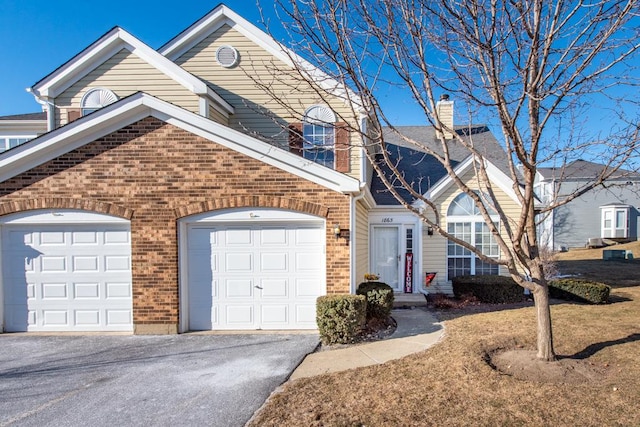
x=186, y=380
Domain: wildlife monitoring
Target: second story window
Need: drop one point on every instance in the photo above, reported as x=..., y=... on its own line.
x=95, y=99
x=318, y=131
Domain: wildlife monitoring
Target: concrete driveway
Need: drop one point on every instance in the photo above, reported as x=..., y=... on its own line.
x=214, y=380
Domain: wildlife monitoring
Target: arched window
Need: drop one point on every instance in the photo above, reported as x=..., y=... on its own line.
x=318, y=132
x=95, y=99
x=465, y=222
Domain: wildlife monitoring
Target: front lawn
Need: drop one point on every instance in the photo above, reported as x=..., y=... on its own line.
x=452, y=383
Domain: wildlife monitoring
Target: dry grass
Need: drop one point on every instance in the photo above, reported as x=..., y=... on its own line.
x=451, y=383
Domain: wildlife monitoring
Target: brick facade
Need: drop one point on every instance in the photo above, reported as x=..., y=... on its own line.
x=153, y=174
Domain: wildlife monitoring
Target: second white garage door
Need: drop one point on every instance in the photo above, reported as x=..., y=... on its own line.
x=259, y=276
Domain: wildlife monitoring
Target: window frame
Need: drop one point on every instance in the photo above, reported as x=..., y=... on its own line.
x=471, y=228
x=319, y=135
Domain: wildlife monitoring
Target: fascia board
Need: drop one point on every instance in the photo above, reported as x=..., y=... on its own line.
x=108, y=46
x=139, y=106
x=220, y=104
x=496, y=176
x=101, y=50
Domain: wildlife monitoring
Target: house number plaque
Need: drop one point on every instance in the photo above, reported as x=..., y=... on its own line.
x=387, y=220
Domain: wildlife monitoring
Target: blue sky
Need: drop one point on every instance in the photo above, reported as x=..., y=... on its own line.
x=38, y=36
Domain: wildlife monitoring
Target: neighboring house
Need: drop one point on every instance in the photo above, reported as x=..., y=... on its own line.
x=20, y=128
x=609, y=211
x=163, y=199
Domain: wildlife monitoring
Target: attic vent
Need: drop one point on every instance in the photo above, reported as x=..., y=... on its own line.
x=227, y=56
x=95, y=99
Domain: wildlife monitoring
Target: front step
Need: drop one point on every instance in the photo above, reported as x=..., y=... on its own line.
x=409, y=300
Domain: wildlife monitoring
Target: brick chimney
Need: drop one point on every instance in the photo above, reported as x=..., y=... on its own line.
x=444, y=111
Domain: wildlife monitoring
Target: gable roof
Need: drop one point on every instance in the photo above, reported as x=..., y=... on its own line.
x=140, y=105
x=223, y=15
x=42, y=116
x=104, y=48
x=579, y=170
x=424, y=171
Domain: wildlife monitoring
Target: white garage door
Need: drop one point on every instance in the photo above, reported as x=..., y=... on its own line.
x=67, y=277
x=255, y=277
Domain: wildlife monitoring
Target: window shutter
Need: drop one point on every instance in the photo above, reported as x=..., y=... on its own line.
x=295, y=138
x=73, y=114
x=342, y=157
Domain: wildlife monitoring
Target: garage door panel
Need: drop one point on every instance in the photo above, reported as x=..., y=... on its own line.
x=274, y=315
x=87, y=317
x=240, y=316
x=306, y=314
x=121, y=318
x=308, y=287
x=239, y=288
x=70, y=279
x=55, y=238
x=309, y=237
x=274, y=261
x=116, y=263
x=238, y=237
x=118, y=290
x=308, y=262
x=85, y=263
x=273, y=237
x=274, y=288
x=53, y=264
x=86, y=290
x=54, y=291
x=239, y=262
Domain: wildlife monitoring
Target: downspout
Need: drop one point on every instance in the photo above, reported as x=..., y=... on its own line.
x=47, y=106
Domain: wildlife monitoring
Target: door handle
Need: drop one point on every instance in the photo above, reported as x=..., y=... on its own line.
x=258, y=287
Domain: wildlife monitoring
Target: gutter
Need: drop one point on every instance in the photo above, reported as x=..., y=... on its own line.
x=47, y=106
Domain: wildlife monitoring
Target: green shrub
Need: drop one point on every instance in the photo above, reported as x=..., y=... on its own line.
x=379, y=299
x=579, y=290
x=340, y=318
x=488, y=288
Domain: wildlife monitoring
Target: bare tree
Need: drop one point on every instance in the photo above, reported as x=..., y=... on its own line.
x=535, y=69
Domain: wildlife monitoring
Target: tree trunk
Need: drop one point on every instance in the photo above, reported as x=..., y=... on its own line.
x=545, y=335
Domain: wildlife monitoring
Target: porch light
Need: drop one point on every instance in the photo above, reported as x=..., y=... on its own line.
x=336, y=230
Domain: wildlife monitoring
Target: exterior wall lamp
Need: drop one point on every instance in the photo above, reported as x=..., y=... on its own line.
x=430, y=230
x=338, y=232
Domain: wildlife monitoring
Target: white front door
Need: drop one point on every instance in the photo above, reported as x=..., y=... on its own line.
x=386, y=257
x=392, y=255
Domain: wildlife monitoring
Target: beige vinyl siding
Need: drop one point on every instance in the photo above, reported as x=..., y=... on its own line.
x=124, y=74
x=435, y=247
x=361, y=242
x=217, y=116
x=255, y=110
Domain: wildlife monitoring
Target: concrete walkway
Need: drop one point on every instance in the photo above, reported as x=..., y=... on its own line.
x=417, y=330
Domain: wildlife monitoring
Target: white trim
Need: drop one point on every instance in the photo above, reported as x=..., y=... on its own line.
x=497, y=177
x=138, y=106
x=60, y=216
x=107, y=46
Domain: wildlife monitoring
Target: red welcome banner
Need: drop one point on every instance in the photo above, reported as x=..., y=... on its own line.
x=408, y=273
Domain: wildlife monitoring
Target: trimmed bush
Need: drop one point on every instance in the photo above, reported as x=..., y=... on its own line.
x=340, y=318
x=579, y=290
x=488, y=288
x=379, y=299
